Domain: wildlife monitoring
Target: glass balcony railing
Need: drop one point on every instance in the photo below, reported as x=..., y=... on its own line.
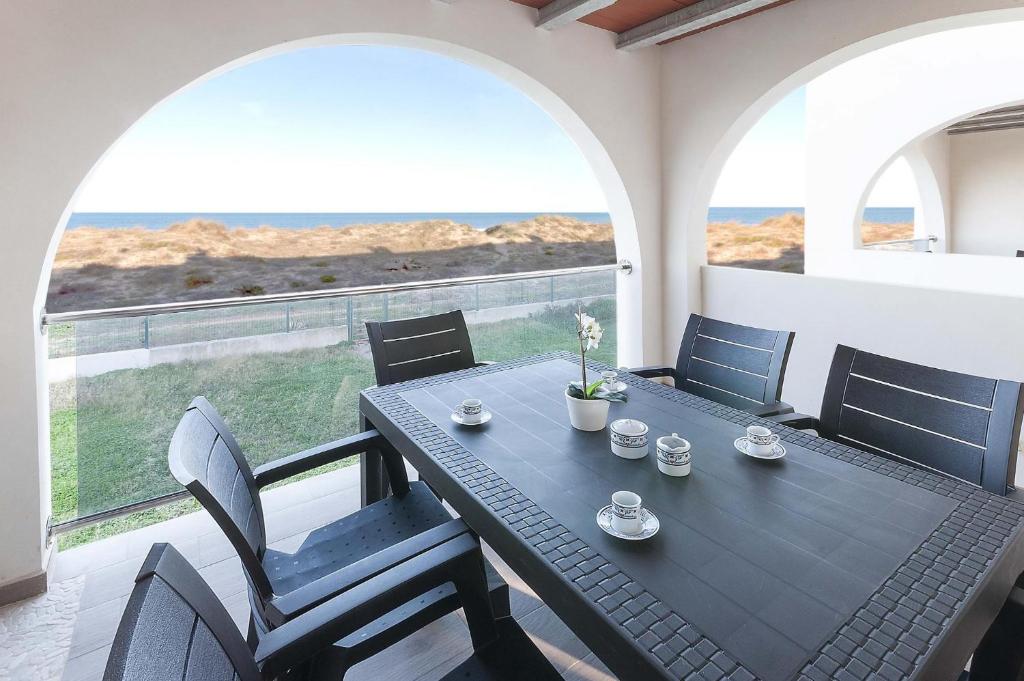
x=285, y=375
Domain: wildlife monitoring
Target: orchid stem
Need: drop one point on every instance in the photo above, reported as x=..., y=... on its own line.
x=583, y=352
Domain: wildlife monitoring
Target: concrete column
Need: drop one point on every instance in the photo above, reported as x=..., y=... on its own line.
x=24, y=452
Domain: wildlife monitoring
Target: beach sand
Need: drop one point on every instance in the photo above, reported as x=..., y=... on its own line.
x=777, y=244
x=195, y=260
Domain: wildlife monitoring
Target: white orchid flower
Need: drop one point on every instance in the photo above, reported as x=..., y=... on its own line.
x=594, y=333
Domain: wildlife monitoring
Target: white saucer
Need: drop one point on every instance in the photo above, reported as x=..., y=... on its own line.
x=485, y=416
x=617, y=387
x=650, y=521
x=778, y=451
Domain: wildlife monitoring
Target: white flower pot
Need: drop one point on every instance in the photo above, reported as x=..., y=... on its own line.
x=587, y=414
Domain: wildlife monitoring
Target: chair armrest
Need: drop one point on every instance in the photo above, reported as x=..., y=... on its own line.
x=299, y=640
x=770, y=409
x=319, y=590
x=798, y=421
x=288, y=466
x=653, y=371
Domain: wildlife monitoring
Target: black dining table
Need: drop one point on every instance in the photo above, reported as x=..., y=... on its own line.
x=830, y=563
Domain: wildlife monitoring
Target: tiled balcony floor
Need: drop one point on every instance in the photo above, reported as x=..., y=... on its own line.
x=110, y=566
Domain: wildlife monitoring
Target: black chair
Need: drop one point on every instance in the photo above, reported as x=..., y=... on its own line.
x=740, y=366
x=1020, y=254
x=961, y=425
x=407, y=349
x=377, y=540
x=175, y=628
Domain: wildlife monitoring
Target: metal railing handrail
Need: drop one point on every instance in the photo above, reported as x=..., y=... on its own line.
x=50, y=318
x=931, y=238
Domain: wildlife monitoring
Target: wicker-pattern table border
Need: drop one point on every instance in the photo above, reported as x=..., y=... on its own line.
x=885, y=638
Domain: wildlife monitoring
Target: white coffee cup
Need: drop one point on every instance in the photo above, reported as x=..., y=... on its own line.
x=761, y=440
x=471, y=410
x=626, y=513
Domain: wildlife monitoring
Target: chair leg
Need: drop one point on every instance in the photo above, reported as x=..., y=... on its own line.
x=252, y=638
x=471, y=583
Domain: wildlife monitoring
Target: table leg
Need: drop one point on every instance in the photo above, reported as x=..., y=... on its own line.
x=1000, y=656
x=373, y=478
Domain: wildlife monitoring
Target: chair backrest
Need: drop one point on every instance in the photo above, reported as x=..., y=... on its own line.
x=424, y=346
x=206, y=459
x=1020, y=254
x=741, y=366
x=965, y=426
x=174, y=627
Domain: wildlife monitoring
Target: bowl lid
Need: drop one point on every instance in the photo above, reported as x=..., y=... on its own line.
x=628, y=427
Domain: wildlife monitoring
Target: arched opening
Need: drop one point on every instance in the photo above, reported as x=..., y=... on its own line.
x=893, y=211
x=756, y=215
x=133, y=374
x=844, y=144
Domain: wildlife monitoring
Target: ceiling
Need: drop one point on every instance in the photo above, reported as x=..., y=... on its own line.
x=1004, y=118
x=640, y=23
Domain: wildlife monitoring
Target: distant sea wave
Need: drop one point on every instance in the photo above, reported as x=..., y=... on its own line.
x=757, y=215
x=305, y=220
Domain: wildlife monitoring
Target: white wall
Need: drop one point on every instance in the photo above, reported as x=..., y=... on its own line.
x=862, y=114
x=717, y=84
x=967, y=332
x=76, y=75
x=932, y=172
x=987, y=184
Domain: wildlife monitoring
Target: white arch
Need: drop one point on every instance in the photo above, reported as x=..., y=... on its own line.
x=868, y=111
x=929, y=164
x=928, y=198
x=125, y=63
x=712, y=109
x=627, y=245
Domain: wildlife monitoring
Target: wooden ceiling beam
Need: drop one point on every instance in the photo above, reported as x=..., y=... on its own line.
x=563, y=12
x=687, y=20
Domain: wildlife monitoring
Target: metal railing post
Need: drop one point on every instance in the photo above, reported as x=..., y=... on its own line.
x=349, y=322
x=287, y=317
x=145, y=332
x=385, y=306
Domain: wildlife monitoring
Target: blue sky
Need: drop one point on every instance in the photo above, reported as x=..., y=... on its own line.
x=769, y=166
x=383, y=129
x=346, y=129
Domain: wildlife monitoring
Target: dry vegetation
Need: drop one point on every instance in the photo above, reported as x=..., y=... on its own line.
x=200, y=259
x=778, y=243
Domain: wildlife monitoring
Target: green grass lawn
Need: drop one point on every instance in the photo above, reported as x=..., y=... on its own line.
x=109, y=433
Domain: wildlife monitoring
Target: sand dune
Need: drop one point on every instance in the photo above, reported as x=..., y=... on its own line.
x=777, y=244
x=199, y=259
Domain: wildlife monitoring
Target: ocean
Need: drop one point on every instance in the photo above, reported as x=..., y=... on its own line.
x=742, y=215
x=755, y=216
